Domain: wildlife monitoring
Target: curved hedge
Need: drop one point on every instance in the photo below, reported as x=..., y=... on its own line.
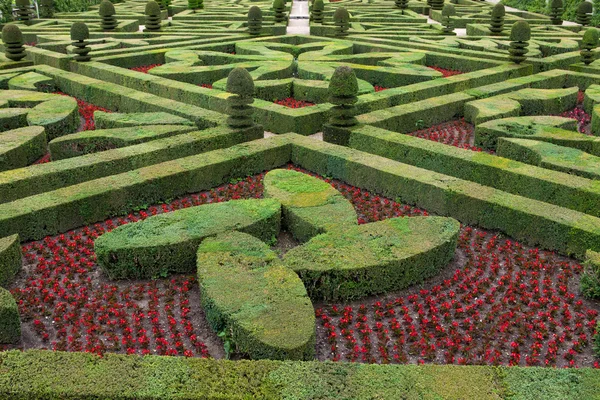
x=374, y=258
x=10, y=258
x=310, y=205
x=167, y=243
x=22, y=146
x=10, y=323
x=248, y=293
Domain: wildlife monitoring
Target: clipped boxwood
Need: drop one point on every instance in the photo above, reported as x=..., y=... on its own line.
x=248, y=293
x=10, y=258
x=590, y=279
x=310, y=205
x=374, y=258
x=22, y=146
x=167, y=243
x=10, y=323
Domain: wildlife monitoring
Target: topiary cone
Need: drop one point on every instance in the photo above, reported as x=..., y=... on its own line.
x=588, y=44
x=556, y=12
x=279, y=8
x=254, y=20
x=107, y=13
x=46, y=8
x=341, y=19
x=343, y=91
x=153, y=16
x=497, y=19
x=519, y=36
x=24, y=10
x=317, y=11
x=241, y=85
x=13, y=42
x=437, y=4
x=583, y=15
x=80, y=35
x=448, y=11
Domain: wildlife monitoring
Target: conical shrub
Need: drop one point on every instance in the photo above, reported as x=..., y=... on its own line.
x=241, y=85
x=13, y=42
x=497, y=19
x=80, y=35
x=107, y=13
x=153, y=16
x=255, y=19
x=343, y=91
x=519, y=36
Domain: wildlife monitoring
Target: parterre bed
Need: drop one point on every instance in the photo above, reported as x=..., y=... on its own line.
x=498, y=303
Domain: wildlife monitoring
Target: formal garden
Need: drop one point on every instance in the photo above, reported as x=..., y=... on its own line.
x=322, y=199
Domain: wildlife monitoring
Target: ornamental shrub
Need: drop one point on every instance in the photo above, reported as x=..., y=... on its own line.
x=107, y=13
x=13, y=42
x=279, y=8
x=317, y=11
x=241, y=84
x=583, y=14
x=153, y=16
x=555, y=11
x=519, y=36
x=80, y=35
x=254, y=20
x=10, y=323
x=341, y=19
x=497, y=19
x=343, y=91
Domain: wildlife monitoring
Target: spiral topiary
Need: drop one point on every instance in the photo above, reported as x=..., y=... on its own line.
x=556, y=11
x=240, y=83
x=24, y=10
x=520, y=34
x=46, y=8
x=279, y=8
x=341, y=19
x=448, y=11
x=437, y=4
x=80, y=35
x=107, y=13
x=583, y=14
x=254, y=20
x=13, y=42
x=588, y=44
x=153, y=16
x=497, y=19
x=401, y=4
x=343, y=90
x=317, y=11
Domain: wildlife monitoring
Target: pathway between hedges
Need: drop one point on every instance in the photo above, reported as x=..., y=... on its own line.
x=298, y=21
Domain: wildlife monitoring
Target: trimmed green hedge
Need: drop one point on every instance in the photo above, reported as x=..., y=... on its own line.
x=167, y=243
x=386, y=255
x=10, y=323
x=251, y=296
x=515, y=177
x=531, y=221
x=10, y=259
x=310, y=205
x=35, y=179
x=44, y=375
x=590, y=279
x=105, y=120
x=21, y=147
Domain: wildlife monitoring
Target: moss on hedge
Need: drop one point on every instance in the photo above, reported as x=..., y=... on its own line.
x=374, y=258
x=167, y=243
x=248, y=293
x=310, y=205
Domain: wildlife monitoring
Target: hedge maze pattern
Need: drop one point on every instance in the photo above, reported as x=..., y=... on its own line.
x=117, y=146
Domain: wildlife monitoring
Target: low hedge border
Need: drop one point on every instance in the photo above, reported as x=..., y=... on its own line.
x=21, y=146
x=10, y=259
x=554, y=187
x=10, y=322
x=40, y=374
x=251, y=296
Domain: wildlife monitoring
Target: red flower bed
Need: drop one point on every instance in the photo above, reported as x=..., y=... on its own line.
x=145, y=68
x=86, y=111
x=578, y=113
x=379, y=88
x=447, y=72
x=290, y=102
x=207, y=85
x=499, y=303
x=458, y=133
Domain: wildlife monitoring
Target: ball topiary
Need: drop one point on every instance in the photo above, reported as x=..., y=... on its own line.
x=520, y=34
x=46, y=8
x=24, y=10
x=241, y=85
x=13, y=42
x=254, y=20
x=279, y=8
x=80, y=35
x=588, y=44
x=343, y=90
x=497, y=19
x=448, y=11
x=556, y=11
x=341, y=19
x=583, y=15
x=153, y=16
x=107, y=13
x=317, y=11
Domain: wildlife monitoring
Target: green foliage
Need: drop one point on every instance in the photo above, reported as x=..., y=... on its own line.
x=317, y=11
x=79, y=31
x=153, y=16
x=279, y=8
x=11, y=33
x=497, y=19
x=255, y=18
x=46, y=8
x=583, y=15
x=260, y=305
x=343, y=90
x=169, y=241
x=387, y=255
x=590, y=279
x=520, y=31
x=555, y=11
x=241, y=85
x=341, y=19
x=10, y=324
x=10, y=259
